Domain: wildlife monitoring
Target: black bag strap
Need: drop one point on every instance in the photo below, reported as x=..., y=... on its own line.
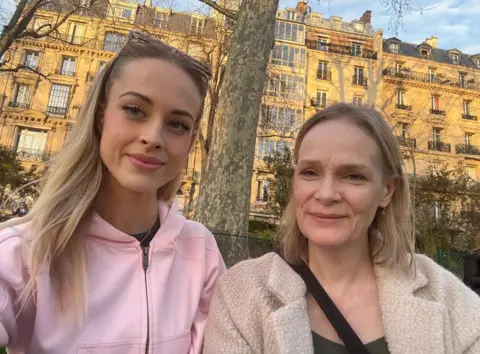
x=352, y=342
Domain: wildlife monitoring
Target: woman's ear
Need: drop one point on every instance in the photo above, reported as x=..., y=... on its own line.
x=389, y=189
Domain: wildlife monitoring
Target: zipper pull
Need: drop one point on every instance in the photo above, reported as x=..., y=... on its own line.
x=145, y=257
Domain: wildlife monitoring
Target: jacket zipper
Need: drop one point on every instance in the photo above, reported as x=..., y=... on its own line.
x=145, y=250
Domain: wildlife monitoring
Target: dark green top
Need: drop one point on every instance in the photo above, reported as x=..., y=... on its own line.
x=322, y=345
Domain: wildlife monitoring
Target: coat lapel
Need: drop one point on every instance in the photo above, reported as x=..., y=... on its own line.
x=412, y=324
x=288, y=326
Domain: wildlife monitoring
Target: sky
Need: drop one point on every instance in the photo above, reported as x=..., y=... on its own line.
x=454, y=22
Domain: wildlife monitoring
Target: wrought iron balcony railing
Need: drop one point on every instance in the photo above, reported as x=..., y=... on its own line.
x=403, y=106
x=61, y=111
x=468, y=117
x=439, y=146
x=407, y=142
x=467, y=149
x=20, y=105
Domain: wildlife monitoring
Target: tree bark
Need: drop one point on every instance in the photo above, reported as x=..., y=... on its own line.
x=224, y=199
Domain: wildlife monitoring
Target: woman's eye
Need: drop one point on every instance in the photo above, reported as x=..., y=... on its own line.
x=179, y=126
x=307, y=173
x=355, y=178
x=133, y=111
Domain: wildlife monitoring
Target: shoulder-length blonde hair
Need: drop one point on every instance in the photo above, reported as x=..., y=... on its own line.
x=76, y=174
x=391, y=236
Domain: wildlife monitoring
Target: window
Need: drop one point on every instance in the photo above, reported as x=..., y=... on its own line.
x=435, y=103
x=461, y=79
x=466, y=107
x=31, y=143
x=290, y=15
x=468, y=139
x=455, y=58
x=323, y=72
x=358, y=78
x=265, y=147
x=404, y=129
x=283, y=146
x=288, y=56
x=161, y=20
x=321, y=98
x=76, y=33
x=398, y=67
x=357, y=101
x=280, y=117
x=285, y=86
x=356, y=49
x=262, y=191
x=477, y=62
x=425, y=53
x=41, y=25
x=58, y=101
x=22, y=96
x=68, y=66
x=322, y=44
x=393, y=48
x=431, y=75
x=401, y=98
x=292, y=32
x=197, y=26
x=30, y=59
x=436, y=135
x=113, y=41
x=123, y=12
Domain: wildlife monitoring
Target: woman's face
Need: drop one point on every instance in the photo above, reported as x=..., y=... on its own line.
x=148, y=124
x=338, y=184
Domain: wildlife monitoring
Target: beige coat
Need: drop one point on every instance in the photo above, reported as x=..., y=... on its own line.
x=259, y=307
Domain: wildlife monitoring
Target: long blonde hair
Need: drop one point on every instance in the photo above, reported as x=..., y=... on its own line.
x=76, y=174
x=391, y=236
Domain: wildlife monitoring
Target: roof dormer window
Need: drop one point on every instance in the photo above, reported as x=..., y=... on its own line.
x=393, y=47
x=455, y=58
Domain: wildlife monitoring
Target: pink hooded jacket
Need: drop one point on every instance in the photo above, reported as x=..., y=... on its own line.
x=129, y=310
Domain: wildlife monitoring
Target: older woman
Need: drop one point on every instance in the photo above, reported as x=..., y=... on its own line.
x=348, y=222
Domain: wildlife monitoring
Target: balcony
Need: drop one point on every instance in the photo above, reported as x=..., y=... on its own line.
x=429, y=78
x=36, y=155
x=340, y=49
x=19, y=105
x=439, y=146
x=437, y=112
x=324, y=75
x=403, y=107
x=61, y=111
x=469, y=117
x=467, y=149
x=65, y=73
x=359, y=81
x=407, y=142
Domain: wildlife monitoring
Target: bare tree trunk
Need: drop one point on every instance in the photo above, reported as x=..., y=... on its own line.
x=224, y=199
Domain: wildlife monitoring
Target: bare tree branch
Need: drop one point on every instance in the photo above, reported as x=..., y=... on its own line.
x=230, y=14
x=23, y=67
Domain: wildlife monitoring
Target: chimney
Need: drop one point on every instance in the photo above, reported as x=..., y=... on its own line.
x=301, y=7
x=432, y=41
x=366, y=17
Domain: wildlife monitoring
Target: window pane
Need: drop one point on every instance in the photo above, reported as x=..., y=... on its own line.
x=58, y=101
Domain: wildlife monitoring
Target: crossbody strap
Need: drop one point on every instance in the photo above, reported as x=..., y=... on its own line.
x=352, y=342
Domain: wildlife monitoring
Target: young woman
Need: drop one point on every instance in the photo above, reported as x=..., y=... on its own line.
x=104, y=263
x=349, y=222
